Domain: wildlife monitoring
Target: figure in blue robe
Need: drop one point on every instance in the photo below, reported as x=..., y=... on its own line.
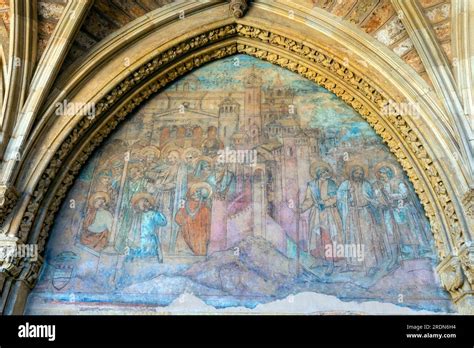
x=143, y=240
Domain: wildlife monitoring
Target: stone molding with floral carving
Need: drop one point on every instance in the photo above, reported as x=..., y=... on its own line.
x=451, y=276
x=8, y=200
x=468, y=201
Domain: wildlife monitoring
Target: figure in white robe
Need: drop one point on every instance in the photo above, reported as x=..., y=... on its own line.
x=325, y=228
x=222, y=182
x=356, y=203
x=403, y=224
x=164, y=186
x=134, y=183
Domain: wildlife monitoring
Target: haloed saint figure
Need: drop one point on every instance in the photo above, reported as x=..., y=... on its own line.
x=144, y=241
x=195, y=218
x=98, y=222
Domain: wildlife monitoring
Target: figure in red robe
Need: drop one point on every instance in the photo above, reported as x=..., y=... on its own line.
x=194, y=218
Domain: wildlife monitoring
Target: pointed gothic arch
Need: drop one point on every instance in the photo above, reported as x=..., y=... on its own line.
x=50, y=167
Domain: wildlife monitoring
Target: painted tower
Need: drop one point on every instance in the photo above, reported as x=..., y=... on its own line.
x=250, y=121
x=279, y=102
x=229, y=111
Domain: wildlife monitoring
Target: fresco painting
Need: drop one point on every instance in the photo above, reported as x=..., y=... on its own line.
x=241, y=185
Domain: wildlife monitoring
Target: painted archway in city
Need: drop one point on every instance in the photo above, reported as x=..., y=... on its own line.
x=241, y=187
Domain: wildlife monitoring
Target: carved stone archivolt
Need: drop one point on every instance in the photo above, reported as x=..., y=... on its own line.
x=451, y=275
x=468, y=202
x=307, y=61
x=8, y=199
